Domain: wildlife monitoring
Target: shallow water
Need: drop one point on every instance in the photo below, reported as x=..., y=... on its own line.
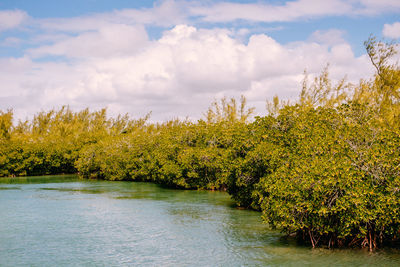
x=64, y=221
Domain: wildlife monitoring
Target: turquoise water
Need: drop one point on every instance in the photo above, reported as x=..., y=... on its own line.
x=64, y=221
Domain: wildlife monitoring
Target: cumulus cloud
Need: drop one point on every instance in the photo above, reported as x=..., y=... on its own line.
x=179, y=74
x=10, y=19
x=392, y=30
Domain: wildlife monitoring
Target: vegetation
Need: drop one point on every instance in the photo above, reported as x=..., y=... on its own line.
x=325, y=168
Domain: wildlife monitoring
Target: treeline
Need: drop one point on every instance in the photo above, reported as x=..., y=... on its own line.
x=325, y=168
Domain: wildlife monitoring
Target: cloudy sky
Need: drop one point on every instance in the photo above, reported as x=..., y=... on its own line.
x=174, y=57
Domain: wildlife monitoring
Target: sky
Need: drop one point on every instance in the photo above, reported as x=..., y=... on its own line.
x=173, y=58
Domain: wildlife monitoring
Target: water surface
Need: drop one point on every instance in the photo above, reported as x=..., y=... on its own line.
x=64, y=221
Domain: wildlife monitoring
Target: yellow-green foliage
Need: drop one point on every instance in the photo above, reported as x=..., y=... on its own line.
x=52, y=141
x=333, y=175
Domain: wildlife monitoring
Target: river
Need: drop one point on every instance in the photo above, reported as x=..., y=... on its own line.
x=65, y=221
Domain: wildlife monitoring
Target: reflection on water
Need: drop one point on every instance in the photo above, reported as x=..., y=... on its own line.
x=64, y=221
x=38, y=179
x=10, y=188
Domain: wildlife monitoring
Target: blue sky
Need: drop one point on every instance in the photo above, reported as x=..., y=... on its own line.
x=173, y=57
x=49, y=8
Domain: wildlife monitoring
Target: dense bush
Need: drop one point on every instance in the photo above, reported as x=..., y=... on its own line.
x=333, y=177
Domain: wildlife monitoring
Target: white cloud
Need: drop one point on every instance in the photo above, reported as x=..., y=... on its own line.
x=258, y=11
x=177, y=75
x=163, y=13
x=110, y=40
x=291, y=10
x=329, y=37
x=10, y=19
x=374, y=7
x=168, y=13
x=392, y=30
